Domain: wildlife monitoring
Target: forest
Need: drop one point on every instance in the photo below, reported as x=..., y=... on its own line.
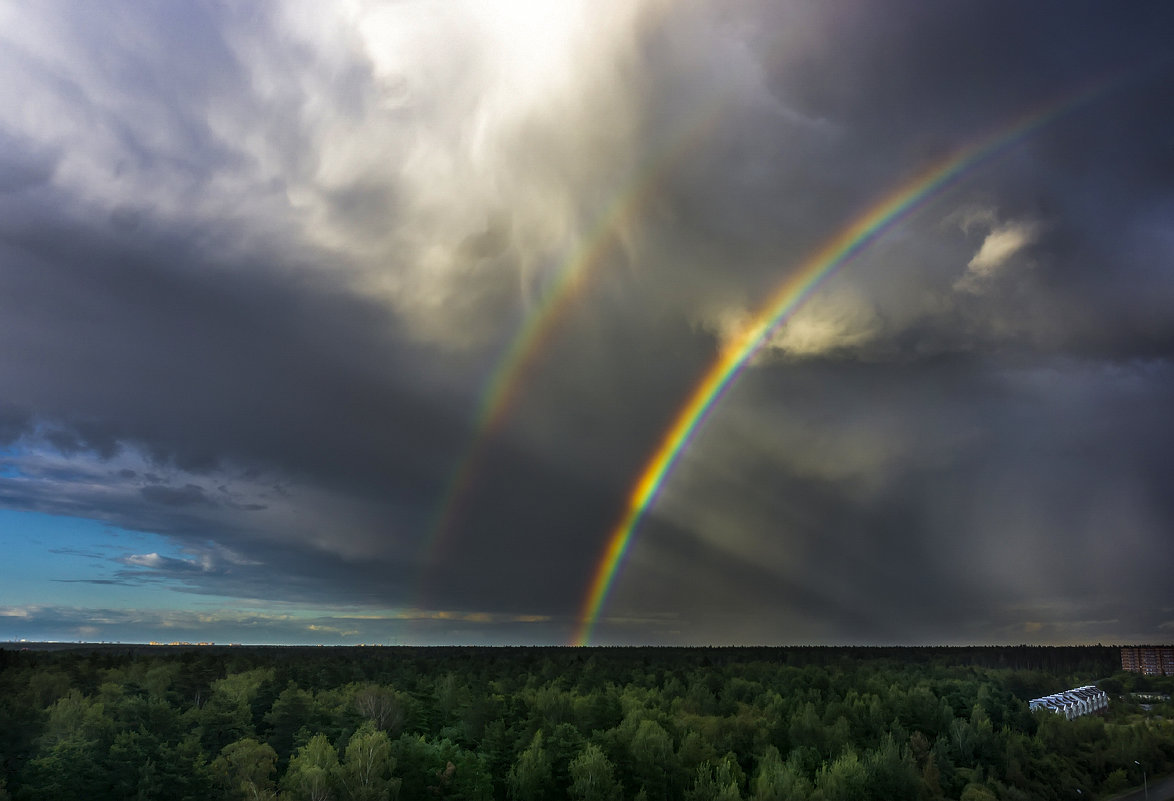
x=583, y=724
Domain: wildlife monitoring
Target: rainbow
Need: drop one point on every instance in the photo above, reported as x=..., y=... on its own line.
x=504, y=385
x=799, y=285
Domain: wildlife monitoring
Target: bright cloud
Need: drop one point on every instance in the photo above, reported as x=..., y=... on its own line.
x=1000, y=245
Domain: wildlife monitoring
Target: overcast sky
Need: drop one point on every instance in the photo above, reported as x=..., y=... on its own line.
x=261, y=264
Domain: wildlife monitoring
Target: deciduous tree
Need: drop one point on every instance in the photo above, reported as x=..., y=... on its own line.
x=592, y=777
x=366, y=771
x=313, y=771
x=530, y=776
x=245, y=769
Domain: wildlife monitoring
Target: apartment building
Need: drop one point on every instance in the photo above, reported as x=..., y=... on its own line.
x=1150, y=660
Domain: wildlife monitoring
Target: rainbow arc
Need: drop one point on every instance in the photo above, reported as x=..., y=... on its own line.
x=572, y=277
x=833, y=254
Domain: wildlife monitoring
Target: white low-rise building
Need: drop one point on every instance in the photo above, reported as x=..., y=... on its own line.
x=1073, y=703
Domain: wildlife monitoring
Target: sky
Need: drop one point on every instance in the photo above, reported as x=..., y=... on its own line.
x=363, y=322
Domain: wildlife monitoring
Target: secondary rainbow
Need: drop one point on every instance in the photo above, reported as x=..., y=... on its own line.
x=835, y=252
x=503, y=388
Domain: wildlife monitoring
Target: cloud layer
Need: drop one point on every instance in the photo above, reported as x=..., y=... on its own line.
x=259, y=266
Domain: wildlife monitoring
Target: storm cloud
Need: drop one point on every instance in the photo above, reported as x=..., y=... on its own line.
x=260, y=267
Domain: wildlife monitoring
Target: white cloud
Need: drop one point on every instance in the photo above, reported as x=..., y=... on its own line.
x=248, y=623
x=145, y=560
x=520, y=138
x=831, y=320
x=376, y=139
x=1002, y=242
x=828, y=322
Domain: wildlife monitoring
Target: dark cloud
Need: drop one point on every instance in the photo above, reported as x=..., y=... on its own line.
x=14, y=421
x=78, y=552
x=259, y=271
x=188, y=495
x=202, y=361
x=23, y=165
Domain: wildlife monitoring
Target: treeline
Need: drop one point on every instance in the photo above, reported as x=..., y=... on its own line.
x=586, y=724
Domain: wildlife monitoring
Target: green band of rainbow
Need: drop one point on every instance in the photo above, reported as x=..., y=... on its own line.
x=503, y=388
x=848, y=242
